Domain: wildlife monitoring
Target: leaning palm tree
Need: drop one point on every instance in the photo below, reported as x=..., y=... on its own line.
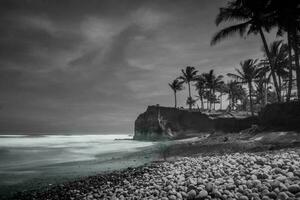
x=254, y=18
x=189, y=74
x=176, y=85
x=248, y=73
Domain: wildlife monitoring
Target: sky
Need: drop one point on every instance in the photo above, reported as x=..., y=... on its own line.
x=94, y=66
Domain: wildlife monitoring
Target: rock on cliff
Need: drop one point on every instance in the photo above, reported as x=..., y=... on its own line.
x=164, y=122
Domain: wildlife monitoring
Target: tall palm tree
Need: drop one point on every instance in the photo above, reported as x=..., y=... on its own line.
x=189, y=74
x=279, y=54
x=254, y=18
x=248, y=73
x=200, y=87
x=212, y=82
x=217, y=83
x=176, y=85
x=286, y=16
x=222, y=89
x=264, y=78
x=235, y=92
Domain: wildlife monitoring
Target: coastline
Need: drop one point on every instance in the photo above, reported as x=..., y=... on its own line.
x=187, y=151
x=259, y=175
x=43, y=161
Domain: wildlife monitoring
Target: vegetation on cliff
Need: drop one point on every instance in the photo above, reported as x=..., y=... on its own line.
x=275, y=77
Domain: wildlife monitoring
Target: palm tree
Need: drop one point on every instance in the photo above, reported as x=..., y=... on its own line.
x=279, y=54
x=200, y=87
x=212, y=82
x=254, y=17
x=176, y=85
x=189, y=75
x=222, y=89
x=191, y=102
x=217, y=83
x=235, y=92
x=286, y=16
x=248, y=73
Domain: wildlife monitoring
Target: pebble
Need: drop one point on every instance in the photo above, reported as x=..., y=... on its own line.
x=191, y=194
x=243, y=176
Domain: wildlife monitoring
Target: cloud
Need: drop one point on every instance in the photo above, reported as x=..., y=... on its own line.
x=76, y=66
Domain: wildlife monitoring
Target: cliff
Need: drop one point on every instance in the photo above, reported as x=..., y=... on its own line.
x=168, y=123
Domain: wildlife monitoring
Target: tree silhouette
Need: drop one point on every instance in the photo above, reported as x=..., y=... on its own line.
x=176, y=85
x=248, y=73
x=200, y=87
x=286, y=16
x=189, y=74
x=254, y=17
x=235, y=92
x=212, y=82
x=279, y=54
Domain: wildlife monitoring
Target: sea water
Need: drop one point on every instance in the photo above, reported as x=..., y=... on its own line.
x=28, y=162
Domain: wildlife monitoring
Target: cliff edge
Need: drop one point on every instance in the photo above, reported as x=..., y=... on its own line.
x=170, y=123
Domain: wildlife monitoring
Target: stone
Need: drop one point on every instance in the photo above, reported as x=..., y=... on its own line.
x=202, y=194
x=282, y=196
x=216, y=193
x=262, y=176
x=272, y=195
x=294, y=188
x=209, y=187
x=297, y=173
x=230, y=187
x=281, y=178
x=191, y=194
x=243, y=198
x=172, y=197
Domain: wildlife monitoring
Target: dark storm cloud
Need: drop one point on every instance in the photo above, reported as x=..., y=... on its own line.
x=74, y=65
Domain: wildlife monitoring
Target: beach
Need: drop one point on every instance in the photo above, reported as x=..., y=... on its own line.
x=261, y=175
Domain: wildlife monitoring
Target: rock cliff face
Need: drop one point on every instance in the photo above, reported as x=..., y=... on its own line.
x=284, y=116
x=164, y=122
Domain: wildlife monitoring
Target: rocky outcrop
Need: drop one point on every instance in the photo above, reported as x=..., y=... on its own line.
x=282, y=116
x=164, y=123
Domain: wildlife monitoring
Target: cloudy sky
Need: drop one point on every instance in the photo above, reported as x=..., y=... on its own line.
x=93, y=66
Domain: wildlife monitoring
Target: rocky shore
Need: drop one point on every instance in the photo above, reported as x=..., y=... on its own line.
x=266, y=175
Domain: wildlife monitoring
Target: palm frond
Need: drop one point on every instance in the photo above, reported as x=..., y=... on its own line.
x=230, y=14
x=229, y=31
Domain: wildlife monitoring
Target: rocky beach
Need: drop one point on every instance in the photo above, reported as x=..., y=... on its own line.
x=260, y=175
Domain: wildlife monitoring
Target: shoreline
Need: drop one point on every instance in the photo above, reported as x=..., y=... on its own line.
x=174, y=150
x=160, y=178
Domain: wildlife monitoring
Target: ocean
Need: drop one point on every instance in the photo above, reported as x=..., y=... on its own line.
x=30, y=162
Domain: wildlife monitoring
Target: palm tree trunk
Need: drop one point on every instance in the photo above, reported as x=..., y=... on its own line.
x=271, y=61
x=210, y=100
x=296, y=50
x=190, y=105
x=279, y=84
x=202, y=103
x=288, y=95
x=207, y=104
x=250, y=96
x=221, y=101
x=175, y=98
x=266, y=90
x=214, y=100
